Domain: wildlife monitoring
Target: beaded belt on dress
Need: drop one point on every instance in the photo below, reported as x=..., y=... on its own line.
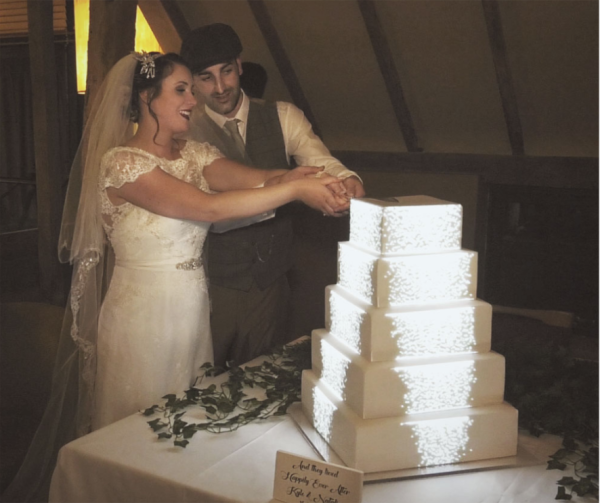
x=189, y=265
x=192, y=264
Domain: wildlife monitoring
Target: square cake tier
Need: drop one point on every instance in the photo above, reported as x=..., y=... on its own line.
x=407, y=279
x=416, y=440
x=411, y=224
x=408, y=385
x=385, y=333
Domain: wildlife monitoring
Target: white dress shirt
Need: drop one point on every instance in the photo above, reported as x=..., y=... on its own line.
x=300, y=141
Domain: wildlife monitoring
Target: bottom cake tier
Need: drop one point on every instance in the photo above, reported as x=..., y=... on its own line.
x=412, y=440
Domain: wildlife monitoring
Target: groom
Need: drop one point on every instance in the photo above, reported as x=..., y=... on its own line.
x=248, y=267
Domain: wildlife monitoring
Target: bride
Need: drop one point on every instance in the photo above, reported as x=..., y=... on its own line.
x=137, y=212
x=157, y=201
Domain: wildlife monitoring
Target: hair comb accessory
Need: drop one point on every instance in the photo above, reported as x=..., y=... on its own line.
x=147, y=61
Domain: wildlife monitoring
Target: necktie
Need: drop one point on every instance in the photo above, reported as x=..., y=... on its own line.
x=232, y=128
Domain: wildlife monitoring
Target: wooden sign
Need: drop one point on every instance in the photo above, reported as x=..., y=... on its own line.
x=304, y=480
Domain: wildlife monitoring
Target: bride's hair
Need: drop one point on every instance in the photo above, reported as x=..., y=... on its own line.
x=142, y=81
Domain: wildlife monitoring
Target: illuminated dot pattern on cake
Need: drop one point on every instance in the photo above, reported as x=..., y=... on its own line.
x=418, y=278
x=424, y=333
x=346, y=321
x=442, y=441
x=323, y=411
x=365, y=225
x=335, y=368
x=406, y=229
x=356, y=272
x=442, y=386
x=423, y=229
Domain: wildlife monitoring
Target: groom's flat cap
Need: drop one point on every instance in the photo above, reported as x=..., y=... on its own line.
x=209, y=45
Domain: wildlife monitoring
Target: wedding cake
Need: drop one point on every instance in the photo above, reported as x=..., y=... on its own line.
x=403, y=376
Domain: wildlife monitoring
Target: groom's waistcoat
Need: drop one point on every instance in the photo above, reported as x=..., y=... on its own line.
x=260, y=251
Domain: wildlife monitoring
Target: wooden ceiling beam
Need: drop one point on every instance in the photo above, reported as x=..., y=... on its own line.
x=176, y=17
x=261, y=14
x=493, y=23
x=165, y=23
x=112, y=36
x=389, y=72
x=534, y=171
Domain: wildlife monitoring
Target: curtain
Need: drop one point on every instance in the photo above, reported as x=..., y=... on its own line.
x=17, y=159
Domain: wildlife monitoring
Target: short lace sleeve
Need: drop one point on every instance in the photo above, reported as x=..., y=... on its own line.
x=123, y=165
x=201, y=155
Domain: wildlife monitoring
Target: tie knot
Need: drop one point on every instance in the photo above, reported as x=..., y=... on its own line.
x=232, y=126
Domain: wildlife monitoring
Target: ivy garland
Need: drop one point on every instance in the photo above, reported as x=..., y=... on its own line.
x=553, y=392
x=558, y=394
x=279, y=376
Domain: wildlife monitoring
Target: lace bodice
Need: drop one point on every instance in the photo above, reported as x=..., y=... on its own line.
x=138, y=236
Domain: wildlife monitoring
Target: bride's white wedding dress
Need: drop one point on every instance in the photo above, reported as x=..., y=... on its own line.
x=153, y=331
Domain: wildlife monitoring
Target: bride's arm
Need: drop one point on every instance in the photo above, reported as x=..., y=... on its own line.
x=163, y=194
x=224, y=174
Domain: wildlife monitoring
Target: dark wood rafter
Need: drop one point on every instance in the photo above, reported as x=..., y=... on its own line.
x=389, y=72
x=177, y=18
x=491, y=13
x=538, y=171
x=112, y=36
x=48, y=162
x=261, y=14
x=168, y=32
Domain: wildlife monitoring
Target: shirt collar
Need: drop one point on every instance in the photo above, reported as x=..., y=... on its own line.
x=242, y=113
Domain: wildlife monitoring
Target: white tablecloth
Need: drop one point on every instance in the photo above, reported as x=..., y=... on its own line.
x=125, y=462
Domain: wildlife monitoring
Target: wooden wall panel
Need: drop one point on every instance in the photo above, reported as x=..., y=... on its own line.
x=13, y=17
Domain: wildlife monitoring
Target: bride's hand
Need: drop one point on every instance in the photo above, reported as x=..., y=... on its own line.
x=316, y=193
x=300, y=172
x=294, y=174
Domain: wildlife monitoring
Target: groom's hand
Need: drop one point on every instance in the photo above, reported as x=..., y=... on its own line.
x=354, y=187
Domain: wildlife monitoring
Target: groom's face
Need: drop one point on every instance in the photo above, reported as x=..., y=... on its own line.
x=219, y=85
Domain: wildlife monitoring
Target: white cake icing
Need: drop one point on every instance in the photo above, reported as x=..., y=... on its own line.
x=393, y=443
x=414, y=224
x=410, y=330
x=407, y=279
x=418, y=385
x=403, y=376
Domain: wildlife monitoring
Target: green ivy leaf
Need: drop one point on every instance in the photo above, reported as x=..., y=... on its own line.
x=561, y=453
x=582, y=487
x=555, y=465
x=150, y=410
x=567, y=481
x=226, y=406
x=157, y=424
x=189, y=431
x=562, y=494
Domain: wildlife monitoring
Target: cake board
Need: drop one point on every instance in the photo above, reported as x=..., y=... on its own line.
x=322, y=448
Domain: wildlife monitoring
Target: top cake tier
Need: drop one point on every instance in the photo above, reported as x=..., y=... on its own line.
x=411, y=224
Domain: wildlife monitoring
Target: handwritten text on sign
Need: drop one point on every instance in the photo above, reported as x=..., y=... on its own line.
x=304, y=480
